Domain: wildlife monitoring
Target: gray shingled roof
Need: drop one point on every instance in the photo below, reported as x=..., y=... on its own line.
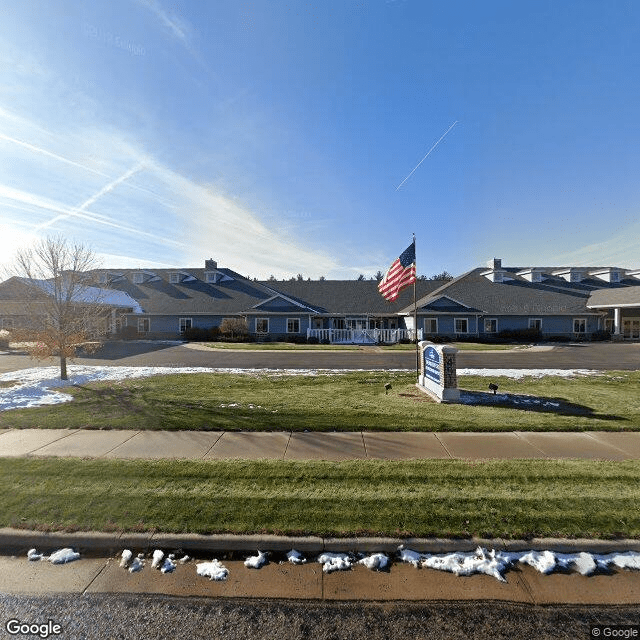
x=159, y=296
x=516, y=295
x=624, y=297
x=349, y=297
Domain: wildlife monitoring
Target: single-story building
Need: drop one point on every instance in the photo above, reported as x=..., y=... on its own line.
x=551, y=302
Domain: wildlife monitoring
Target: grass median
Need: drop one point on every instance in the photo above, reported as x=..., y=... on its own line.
x=346, y=402
x=512, y=499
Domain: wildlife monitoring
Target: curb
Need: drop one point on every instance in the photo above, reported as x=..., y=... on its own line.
x=19, y=541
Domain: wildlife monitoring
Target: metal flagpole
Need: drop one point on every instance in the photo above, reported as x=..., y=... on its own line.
x=415, y=312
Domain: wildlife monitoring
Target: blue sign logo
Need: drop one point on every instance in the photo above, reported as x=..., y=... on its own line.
x=431, y=364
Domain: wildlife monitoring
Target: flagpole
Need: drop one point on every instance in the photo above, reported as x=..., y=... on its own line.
x=415, y=314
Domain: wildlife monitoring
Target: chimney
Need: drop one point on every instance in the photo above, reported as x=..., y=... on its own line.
x=495, y=263
x=210, y=264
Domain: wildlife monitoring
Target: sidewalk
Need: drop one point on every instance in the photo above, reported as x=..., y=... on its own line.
x=98, y=570
x=286, y=445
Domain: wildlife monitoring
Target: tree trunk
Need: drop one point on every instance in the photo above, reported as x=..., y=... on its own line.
x=63, y=368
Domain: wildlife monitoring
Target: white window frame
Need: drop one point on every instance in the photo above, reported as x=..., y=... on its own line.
x=431, y=322
x=182, y=328
x=533, y=321
x=174, y=278
x=141, y=323
x=262, y=320
x=489, y=321
x=210, y=277
x=294, y=320
x=581, y=321
x=466, y=324
x=138, y=278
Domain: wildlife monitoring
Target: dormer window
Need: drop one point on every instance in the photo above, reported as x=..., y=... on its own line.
x=174, y=278
x=210, y=277
x=138, y=278
x=575, y=276
x=615, y=276
x=102, y=278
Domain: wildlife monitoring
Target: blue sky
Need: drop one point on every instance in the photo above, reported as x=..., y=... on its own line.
x=273, y=136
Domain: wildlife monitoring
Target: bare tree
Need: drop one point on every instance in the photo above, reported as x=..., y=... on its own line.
x=63, y=309
x=234, y=327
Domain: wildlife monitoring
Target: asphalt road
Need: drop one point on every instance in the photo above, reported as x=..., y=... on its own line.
x=568, y=356
x=161, y=618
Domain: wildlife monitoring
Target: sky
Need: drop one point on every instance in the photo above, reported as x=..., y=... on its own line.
x=281, y=138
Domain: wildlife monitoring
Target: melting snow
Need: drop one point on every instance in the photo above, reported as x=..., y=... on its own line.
x=213, y=570
x=375, y=561
x=62, y=556
x=127, y=556
x=157, y=559
x=255, y=562
x=295, y=557
x=335, y=562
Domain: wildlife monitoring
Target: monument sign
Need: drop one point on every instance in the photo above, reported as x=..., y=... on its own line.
x=438, y=375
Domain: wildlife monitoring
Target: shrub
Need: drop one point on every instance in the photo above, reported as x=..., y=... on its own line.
x=129, y=333
x=526, y=335
x=600, y=336
x=313, y=340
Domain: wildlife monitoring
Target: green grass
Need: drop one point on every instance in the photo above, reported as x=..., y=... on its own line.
x=349, y=401
x=512, y=499
x=288, y=346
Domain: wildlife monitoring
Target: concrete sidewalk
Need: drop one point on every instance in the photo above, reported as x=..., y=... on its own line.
x=98, y=570
x=285, y=445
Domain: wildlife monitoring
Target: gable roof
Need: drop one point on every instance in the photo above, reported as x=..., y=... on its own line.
x=618, y=297
x=349, y=297
x=515, y=295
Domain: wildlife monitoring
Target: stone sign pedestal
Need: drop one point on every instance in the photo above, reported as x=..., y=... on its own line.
x=438, y=376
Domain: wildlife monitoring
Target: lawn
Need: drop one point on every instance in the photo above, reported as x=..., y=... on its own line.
x=510, y=499
x=348, y=401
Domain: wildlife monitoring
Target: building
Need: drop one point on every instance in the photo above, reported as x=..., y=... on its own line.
x=484, y=303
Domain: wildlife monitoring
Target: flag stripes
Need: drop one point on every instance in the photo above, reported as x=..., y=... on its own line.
x=400, y=274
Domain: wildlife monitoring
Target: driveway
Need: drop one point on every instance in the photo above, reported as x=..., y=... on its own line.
x=166, y=354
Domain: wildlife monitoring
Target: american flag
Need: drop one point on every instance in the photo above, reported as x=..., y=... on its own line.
x=400, y=275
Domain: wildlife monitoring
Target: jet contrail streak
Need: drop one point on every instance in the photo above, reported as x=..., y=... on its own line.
x=427, y=154
x=87, y=203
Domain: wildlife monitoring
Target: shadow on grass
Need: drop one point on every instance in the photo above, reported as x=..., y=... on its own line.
x=558, y=406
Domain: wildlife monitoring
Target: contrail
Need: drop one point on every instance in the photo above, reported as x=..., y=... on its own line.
x=87, y=203
x=49, y=154
x=427, y=154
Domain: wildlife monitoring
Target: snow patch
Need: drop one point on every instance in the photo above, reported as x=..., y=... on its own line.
x=375, y=561
x=335, y=562
x=295, y=557
x=213, y=570
x=256, y=562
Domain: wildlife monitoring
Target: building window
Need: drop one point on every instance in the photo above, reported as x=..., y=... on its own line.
x=262, y=325
x=608, y=325
x=174, y=278
x=491, y=325
x=535, y=323
x=615, y=276
x=6, y=323
x=575, y=276
x=102, y=278
x=579, y=325
x=143, y=325
x=185, y=323
x=138, y=278
x=293, y=325
x=431, y=325
x=338, y=323
x=462, y=325
x=210, y=277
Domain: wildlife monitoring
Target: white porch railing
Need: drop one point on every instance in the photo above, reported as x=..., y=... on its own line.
x=362, y=336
